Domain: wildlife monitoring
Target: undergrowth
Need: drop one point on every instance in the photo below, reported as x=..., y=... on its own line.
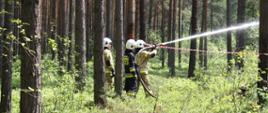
x=211, y=91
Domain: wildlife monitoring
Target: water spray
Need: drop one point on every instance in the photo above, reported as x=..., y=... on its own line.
x=232, y=28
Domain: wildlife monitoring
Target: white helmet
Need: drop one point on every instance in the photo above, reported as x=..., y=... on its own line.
x=140, y=44
x=131, y=44
x=107, y=42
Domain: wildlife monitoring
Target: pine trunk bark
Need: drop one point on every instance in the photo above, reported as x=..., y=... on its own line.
x=137, y=16
x=170, y=31
x=7, y=56
x=2, y=21
x=52, y=33
x=179, y=30
x=131, y=19
x=142, y=21
x=211, y=14
x=192, y=61
x=240, y=41
x=44, y=25
x=150, y=14
x=62, y=31
x=119, y=46
x=229, y=35
x=263, y=44
x=30, y=101
x=109, y=22
x=89, y=30
x=16, y=30
x=80, y=44
x=203, y=55
x=99, y=78
x=71, y=36
x=173, y=37
x=163, y=25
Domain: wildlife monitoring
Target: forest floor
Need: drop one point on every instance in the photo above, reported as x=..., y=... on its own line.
x=211, y=91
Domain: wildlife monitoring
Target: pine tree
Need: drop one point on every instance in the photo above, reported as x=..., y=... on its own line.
x=99, y=78
x=7, y=56
x=80, y=44
x=30, y=101
x=229, y=34
x=240, y=39
x=263, y=44
x=119, y=45
x=192, y=60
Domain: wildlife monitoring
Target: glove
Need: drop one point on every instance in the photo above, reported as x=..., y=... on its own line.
x=113, y=73
x=154, y=46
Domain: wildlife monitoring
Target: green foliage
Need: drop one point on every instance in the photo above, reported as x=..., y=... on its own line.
x=154, y=37
x=52, y=43
x=211, y=91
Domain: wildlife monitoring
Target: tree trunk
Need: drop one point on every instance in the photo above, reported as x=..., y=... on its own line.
x=89, y=30
x=192, y=61
x=173, y=37
x=2, y=7
x=263, y=64
x=53, y=25
x=229, y=34
x=30, y=101
x=109, y=12
x=157, y=17
x=240, y=41
x=179, y=31
x=7, y=56
x=203, y=55
x=211, y=14
x=119, y=45
x=137, y=16
x=71, y=36
x=99, y=78
x=125, y=18
x=150, y=14
x=154, y=18
x=62, y=31
x=16, y=30
x=169, y=31
x=131, y=19
x=80, y=44
x=142, y=21
x=163, y=32
x=44, y=26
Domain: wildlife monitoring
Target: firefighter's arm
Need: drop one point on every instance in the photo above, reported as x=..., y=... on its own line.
x=112, y=66
x=153, y=53
x=150, y=54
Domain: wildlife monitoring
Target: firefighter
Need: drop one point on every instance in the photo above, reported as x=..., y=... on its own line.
x=109, y=66
x=142, y=58
x=130, y=72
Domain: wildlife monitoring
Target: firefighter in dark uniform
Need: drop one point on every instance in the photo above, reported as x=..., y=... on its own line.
x=130, y=71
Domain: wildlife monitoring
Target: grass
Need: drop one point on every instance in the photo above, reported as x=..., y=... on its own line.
x=211, y=91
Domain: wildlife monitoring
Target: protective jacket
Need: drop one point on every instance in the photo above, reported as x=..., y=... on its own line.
x=109, y=66
x=142, y=59
x=129, y=62
x=130, y=73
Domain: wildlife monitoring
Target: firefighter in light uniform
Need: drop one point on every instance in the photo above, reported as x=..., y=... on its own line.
x=109, y=66
x=142, y=58
x=130, y=72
